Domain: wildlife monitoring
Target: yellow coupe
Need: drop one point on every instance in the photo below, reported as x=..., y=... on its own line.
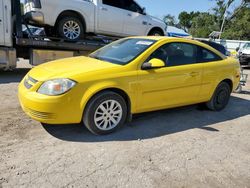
x=129, y=76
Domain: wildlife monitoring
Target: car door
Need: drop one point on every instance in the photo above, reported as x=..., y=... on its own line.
x=136, y=23
x=110, y=17
x=176, y=84
x=1, y=23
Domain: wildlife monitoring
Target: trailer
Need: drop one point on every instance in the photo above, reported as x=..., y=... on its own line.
x=37, y=49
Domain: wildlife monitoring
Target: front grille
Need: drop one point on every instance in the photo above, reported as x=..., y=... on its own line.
x=29, y=82
x=40, y=115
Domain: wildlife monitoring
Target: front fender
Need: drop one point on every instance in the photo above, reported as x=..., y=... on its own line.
x=96, y=88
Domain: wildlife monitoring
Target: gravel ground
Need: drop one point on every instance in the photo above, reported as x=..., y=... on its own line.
x=183, y=147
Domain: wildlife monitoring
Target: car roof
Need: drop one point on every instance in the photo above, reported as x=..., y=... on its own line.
x=158, y=38
x=181, y=39
x=172, y=39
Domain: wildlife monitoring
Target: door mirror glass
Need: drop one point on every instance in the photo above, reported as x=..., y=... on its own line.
x=153, y=64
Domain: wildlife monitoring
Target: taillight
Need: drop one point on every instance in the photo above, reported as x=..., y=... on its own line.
x=34, y=3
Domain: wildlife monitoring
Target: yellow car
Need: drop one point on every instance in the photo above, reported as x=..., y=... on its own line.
x=130, y=76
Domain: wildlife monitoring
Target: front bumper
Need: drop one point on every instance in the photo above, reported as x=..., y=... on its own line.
x=244, y=59
x=63, y=109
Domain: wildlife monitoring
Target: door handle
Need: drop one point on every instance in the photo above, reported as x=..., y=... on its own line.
x=193, y=74
x=104, y=9
x=0, y=20
x=129, y=14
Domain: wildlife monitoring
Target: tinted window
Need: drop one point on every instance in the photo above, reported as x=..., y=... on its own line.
x=216, y=46
x=123, y=51
x=116, y=3
x=176, y=54
x=132, y=6
x=208, y=56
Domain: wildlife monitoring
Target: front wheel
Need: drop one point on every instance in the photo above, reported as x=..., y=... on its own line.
x=105, y=113
x=220, y=98
x=71, y=28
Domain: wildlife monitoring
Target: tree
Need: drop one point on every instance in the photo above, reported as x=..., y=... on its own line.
x=170, y=20
x=185, y=19
x=203, y=24
x=238, y=28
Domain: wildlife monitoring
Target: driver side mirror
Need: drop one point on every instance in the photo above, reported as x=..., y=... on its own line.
x=237, y=49
x=153, y=64
x=144, y=11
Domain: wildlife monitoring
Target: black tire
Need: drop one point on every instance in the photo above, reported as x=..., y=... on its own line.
x=63, y=21
x=155, y=32
x=92, y=106
x=220, y=97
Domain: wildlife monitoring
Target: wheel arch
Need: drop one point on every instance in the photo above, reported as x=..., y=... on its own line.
x=71, y=13
x=156, y=29
x=229, y=82
x=91, y=92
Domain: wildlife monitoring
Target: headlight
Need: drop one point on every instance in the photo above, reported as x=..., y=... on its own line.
x=56, y=87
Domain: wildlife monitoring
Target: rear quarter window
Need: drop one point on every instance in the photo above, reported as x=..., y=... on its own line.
x=206, y=55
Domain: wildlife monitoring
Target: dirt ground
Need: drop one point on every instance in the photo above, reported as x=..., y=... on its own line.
x=183, y=147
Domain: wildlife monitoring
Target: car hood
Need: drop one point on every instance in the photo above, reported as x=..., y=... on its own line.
x=69, y=67
x=246, y=51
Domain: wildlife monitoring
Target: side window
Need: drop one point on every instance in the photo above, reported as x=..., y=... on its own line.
x=208, y=56
x=176, y=54
x=160, y=53
x=181, y=54
x=132, y=6
x=116, y=3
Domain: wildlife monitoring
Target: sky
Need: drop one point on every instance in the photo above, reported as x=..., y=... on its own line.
x=159, y=8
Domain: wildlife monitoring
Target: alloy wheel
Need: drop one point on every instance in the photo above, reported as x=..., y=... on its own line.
x=108, y=115
x=71, y=30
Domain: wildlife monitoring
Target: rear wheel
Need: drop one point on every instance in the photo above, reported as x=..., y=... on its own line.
x=105, y=113
x=155, y=32
x=71, y=28
x=220, y=98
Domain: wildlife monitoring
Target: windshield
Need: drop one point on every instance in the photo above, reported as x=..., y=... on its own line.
x=123, y=51
x=246, y=46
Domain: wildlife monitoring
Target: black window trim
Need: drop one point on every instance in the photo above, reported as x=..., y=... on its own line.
x=131, y=10
x=123, y=6
x=114, y=6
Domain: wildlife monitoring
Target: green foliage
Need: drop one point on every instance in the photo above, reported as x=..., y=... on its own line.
x=186, y=19
x=201, y=24
x=239, y=27
x=169, y=20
